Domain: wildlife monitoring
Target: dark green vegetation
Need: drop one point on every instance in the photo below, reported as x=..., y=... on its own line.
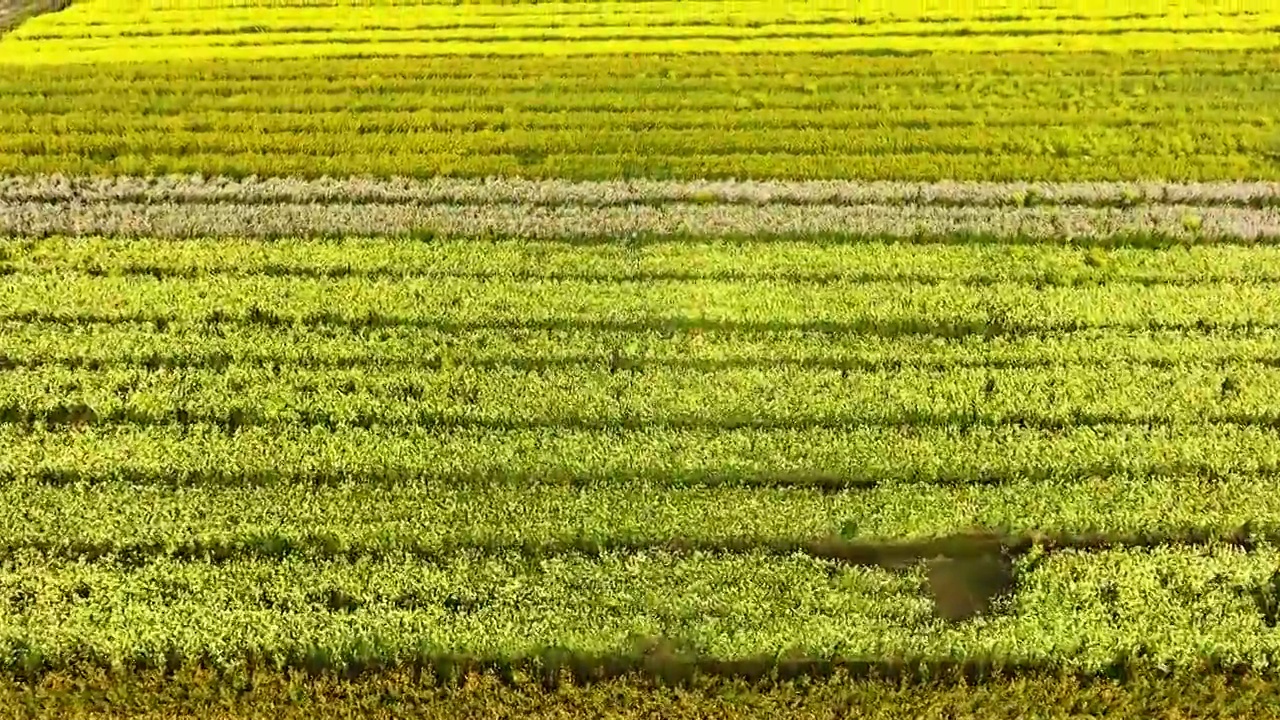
x=267, y=694
x=1170, y=115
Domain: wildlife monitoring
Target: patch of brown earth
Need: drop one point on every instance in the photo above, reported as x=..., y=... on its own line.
x=14, y=12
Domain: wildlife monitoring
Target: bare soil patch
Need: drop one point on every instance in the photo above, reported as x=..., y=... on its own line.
x=14, y=12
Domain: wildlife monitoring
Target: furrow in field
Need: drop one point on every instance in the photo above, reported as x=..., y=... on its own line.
x=857, y=457
x=167, y=219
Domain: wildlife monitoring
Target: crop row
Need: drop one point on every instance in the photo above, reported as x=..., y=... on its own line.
x=956, y=78
x=196, y=454
x=921, y=166
x=447, y=24
x=265, y=46
x=472, y=689
x=211, y=17
x=1187, y=116
x=197, y=344
x=1139, y=225
x=943, y=309
x=662, y=89
x=197, y=189
x=799, y=261
x=869, y=9
x=78, y=36
x=753, y=13
x=683, y=117
x=382, y=114
x=355, y=30
x=442, y=84
x=1074, y=71
x=717, y=107
x=506, y=398
x=1089, y=612
x=881, y=525
x=604, y=398
x=1101, y=142
x=355, y=121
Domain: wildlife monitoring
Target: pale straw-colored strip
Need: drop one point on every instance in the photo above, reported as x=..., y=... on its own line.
x=621, y=222
x=194, y=189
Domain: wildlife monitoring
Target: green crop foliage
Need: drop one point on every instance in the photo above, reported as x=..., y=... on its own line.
x=545, y=695
x=879, y=308
x=681, y=359
x=798, y=260
x=1078, y=116
x=881, y=525
x=1165, y=608
x=753, y=457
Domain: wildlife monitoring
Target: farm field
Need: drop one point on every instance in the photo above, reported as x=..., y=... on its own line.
x=680, y=359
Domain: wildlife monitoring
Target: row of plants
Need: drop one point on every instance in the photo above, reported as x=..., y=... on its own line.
x=1211, y=67
x=609, y=398
x=1075, y=71
x=871, y=9
x=458, y=303
x=196, y=344
x=885, y=524
x=916, y=166
x=656, y=687
x=800, y=261
x=1083, y=82
x=1141, y=609
x=245, y=455
x=717, y=97
x=503, y=17
x=332, y=28
x=1192, y=139
x=51, y=120
x=251, y=47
